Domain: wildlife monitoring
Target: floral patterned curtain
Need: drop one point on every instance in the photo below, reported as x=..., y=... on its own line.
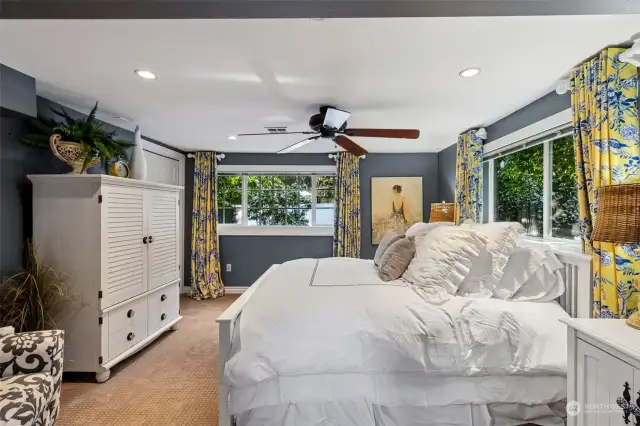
x=469, y=178
x=206, y=279
x=346, y=238
x=605, y=120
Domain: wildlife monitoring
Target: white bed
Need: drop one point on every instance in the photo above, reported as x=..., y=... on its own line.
x=327, y=342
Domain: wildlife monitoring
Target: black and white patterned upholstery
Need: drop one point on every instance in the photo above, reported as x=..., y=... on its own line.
x=31, y=377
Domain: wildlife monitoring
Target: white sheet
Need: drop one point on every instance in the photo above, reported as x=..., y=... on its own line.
x=330, y=329
x=362, y=413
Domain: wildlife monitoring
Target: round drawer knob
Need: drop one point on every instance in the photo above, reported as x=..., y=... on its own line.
x=130, y=336
x=130, y=313
x=163, y=317
x=163, y=297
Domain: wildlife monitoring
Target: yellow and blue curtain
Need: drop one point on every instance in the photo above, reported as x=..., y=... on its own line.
x=346, y=238
x=206, y=279
x=468, y=202
x=604, y=102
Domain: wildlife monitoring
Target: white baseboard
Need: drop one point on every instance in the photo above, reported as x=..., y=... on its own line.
x=235, y=290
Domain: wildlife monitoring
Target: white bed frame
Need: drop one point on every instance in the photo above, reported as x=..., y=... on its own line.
x=577, y=301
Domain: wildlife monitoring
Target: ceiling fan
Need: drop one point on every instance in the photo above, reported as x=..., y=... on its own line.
x=331, y=123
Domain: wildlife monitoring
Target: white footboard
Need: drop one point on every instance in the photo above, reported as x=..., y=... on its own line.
x=226, y=322
x=577, y=299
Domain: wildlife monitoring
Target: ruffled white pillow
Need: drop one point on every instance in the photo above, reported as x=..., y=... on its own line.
x=420, y=230
x=443, y=260
x=501, y=238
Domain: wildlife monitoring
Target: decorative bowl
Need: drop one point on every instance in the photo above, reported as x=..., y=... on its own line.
x=71, y=153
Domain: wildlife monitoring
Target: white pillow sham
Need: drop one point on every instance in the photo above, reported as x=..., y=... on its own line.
x=522, y=264
x=487, y=269
x=545, y=284
x=419, y=230
x=443, y=260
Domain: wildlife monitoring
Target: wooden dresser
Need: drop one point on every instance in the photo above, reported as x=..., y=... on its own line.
x=603, y=373
x=117, y=241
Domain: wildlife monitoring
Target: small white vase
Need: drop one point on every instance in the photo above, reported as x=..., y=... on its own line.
x=138, y=162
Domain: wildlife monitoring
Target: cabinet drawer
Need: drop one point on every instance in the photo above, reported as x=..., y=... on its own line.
x=163, y=306
x=127, y=326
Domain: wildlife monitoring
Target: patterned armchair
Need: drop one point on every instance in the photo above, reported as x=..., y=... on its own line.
x=30, y=377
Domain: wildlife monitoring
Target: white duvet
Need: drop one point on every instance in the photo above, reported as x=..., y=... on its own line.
x=329, y=329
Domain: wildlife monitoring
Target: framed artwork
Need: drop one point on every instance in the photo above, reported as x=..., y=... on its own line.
x=396, y=204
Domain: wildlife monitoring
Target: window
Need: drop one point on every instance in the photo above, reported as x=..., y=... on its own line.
x=536, y=186
x=276, y=199
x=564, y=185
x=519, y=188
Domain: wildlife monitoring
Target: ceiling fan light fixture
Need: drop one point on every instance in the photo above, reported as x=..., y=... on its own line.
x=470, y=72
x=232, y=137
x=146, y=74
x=335, y=118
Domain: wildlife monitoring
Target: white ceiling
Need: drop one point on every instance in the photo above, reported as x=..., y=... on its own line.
x=221, y=77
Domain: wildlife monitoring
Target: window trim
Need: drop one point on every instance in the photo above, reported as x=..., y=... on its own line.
x=545, y=137
x=276, y=230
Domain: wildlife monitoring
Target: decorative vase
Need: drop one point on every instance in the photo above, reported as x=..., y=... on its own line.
x=71, y=153
x=138, y=163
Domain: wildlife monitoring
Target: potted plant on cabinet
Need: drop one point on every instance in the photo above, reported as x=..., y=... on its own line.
x=81, y=143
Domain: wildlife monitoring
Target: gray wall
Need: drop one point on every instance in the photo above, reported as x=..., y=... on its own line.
x=447, y=173
x=17, y=91
x=423, y=165
x=250, y=256
x=548, y=105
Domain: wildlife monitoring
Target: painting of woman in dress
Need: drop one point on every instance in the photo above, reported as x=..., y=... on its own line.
x=396, y=204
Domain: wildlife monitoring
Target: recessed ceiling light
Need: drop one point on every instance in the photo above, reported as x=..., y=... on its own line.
x=146, y=74
x=469, y=72
x=232, y=137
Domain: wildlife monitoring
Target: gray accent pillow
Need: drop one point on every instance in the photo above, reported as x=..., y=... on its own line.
x=388, y=238
x=396, y=259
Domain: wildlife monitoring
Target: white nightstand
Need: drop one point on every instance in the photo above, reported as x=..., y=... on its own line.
x=603, y=370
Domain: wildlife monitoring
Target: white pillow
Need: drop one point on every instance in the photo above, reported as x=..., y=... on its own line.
x=545, y=284
x=443, y=260
x=419, y=230
x=522, y=264
x=501, y=241
x=478, y=282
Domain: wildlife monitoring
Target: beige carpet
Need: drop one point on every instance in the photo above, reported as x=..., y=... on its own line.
x=173, y=381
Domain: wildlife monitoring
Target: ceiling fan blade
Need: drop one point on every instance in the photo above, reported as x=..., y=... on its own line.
x=334, y=118
x=297, y=145
x=384, y=133
x=282, y=133
x=350, y=146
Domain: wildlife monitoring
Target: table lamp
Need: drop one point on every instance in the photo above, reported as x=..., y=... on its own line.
x=618, y=221
x=441, y=212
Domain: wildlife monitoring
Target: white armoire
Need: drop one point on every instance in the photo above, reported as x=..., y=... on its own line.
x=116, y=241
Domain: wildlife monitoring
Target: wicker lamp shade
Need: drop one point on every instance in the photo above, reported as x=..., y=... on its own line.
x=618, y=219
x=441, y=212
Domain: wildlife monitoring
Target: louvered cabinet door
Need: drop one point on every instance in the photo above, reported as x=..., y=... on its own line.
x=124, y=254
x=163, y=222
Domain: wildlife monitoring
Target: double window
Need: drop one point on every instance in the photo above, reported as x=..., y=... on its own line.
x=276, y=199
x=535, y=184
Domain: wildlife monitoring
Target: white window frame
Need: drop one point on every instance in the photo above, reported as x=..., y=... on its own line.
x=543, y=132
x=275, y=230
